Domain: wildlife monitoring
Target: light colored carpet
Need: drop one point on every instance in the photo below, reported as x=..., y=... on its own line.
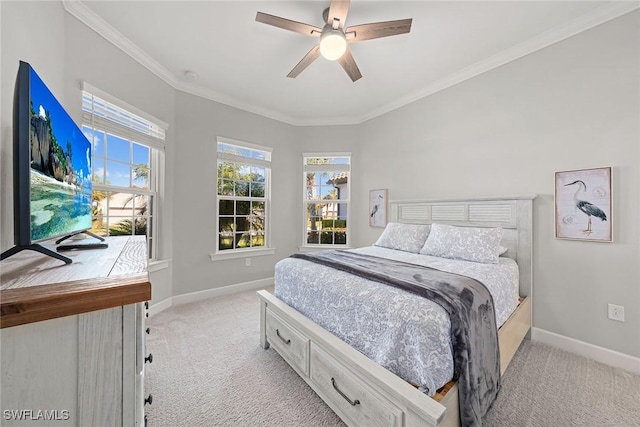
x=209, y=370
x=545, y=386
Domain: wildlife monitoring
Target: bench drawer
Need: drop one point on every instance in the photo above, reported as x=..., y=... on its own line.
x=286, y=340
x=349, y=396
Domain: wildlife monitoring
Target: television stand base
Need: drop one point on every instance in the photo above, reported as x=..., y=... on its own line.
x=83, y=246
x=80, y=232
x=35, y=247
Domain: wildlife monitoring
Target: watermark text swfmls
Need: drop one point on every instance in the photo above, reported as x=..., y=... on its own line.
x=36, y=414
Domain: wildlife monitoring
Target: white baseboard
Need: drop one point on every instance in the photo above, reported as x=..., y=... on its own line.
x=209, y=293
x=599, y=354
x=160, y=306
x=224, y=290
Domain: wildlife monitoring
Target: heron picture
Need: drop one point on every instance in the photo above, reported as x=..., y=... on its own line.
x=378, y=208
x=583, y=205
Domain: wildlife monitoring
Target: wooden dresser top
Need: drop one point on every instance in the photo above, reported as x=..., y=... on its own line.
x=35, y=287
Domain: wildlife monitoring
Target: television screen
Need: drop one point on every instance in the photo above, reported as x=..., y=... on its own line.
x=60, y=168
x=51, y=170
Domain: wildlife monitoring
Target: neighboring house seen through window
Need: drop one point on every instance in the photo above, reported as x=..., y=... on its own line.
x=244, y=172
x=127, y=156
x=326, y=199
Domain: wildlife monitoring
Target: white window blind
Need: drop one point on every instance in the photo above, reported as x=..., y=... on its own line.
x=100, y=112
x=244, y=152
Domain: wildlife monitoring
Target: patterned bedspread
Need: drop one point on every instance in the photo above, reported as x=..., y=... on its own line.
x=405, y=333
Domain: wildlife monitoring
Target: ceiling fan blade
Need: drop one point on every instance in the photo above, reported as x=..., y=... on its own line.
x=349, y=65
x=311, y=56
x=377, y=30
x=338, y=10
x=288, y=24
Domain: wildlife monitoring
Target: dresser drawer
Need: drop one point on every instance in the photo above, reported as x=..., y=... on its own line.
x=349, y=396
x=291, y=344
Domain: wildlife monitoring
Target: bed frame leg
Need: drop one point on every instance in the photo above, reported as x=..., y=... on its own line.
x=263, y=324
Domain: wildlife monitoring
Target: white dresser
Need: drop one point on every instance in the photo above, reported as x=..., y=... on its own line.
x=72, y=337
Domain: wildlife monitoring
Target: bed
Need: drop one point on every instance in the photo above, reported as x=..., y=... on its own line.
x=363, y=385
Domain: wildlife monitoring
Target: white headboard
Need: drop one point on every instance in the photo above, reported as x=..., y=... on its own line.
x=513, y=214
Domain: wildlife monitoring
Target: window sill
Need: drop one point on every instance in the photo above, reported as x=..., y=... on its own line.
x=159, y=264
x=310, y=248
x=245, y=253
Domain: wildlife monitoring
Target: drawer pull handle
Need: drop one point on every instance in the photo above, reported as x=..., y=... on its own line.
x=280, y=336
x=351, y=402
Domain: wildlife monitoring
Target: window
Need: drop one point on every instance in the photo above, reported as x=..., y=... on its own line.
x=127, y=157
x=326, y=199
x=244, y=172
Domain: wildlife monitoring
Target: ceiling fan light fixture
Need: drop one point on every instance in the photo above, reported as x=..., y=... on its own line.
x=334, y=36
x=333, y=44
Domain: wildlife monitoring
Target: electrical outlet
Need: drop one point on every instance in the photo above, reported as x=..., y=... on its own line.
x=616, y=312
x=247, y=262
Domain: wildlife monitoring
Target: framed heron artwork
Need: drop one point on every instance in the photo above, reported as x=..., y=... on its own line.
x=583, y=205
x=378, y=208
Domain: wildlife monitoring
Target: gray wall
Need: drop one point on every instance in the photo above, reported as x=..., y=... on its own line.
x=570, y=106
x=573, y=105
x=26, y=28
x=198, y=123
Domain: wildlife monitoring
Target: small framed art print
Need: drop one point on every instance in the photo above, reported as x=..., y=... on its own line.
x=378, y=208
x=583, y=205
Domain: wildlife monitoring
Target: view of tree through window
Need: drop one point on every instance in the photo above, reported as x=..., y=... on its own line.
x=122, y=198
x=243, y=180
x=326, y=199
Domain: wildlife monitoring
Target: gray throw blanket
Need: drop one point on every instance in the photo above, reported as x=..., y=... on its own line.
x=474, y=334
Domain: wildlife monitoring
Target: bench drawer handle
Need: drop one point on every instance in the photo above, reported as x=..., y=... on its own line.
x=280, y=336
x=351, y=402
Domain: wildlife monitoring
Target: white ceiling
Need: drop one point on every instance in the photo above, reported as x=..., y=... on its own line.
x=243, y=63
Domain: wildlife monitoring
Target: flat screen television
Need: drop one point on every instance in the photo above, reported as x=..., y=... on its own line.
x=51, y=169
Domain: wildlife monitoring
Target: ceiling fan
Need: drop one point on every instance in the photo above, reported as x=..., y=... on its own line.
x=334, y=37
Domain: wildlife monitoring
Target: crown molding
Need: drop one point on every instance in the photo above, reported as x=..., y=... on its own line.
x=598, y=16
x=108, y=32
x=585, y=22
x=230, y=101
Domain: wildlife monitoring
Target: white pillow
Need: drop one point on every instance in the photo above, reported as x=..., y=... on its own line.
x=465, y=243
x=403, y=237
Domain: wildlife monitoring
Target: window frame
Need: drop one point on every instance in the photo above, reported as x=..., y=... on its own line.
x=136, y=127
x=305, y=246
x=267, y=248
